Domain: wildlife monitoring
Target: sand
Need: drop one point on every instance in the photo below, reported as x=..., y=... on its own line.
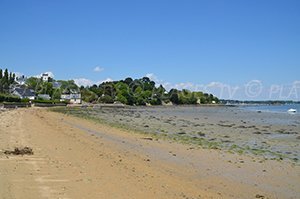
x=76, y=158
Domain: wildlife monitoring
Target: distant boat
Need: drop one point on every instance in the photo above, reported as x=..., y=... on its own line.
x=292, y=110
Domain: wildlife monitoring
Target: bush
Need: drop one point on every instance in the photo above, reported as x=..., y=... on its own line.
x=9, y=98
x=121, y=99
x=42, y=101
x=25, y=100
x=106, y=99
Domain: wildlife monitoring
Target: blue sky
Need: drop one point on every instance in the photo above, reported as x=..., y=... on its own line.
x=178, y=43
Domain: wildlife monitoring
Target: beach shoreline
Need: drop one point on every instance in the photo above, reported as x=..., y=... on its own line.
x=77, y=158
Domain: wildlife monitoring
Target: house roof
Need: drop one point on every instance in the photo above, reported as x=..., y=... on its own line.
x=25, y=92
x=56, y=84
x=21, y=78
x=70, y=91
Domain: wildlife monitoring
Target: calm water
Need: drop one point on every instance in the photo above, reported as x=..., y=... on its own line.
x=274, y=108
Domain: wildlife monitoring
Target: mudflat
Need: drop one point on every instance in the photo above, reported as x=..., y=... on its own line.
x=77, y=158
x=271, y=135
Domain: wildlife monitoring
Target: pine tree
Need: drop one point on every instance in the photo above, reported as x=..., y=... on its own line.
x=1, y=81
x=6, y=76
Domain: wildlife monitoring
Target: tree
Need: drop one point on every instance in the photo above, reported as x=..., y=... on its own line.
x=6, y=75
x=88, y=96
x=96, y=90
x=33, y=82
x=140, y=101
x=108, y=89
x=121, y=98
x=56, y=94
x=143, y=91
x=70, y=84
x=128, y=80
x=173, y=96
x=1, y=81
x=106, y=99
x=5, y=81
x=11, y=79
x=45, y=88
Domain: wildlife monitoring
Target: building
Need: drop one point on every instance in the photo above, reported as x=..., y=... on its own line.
x=24, y=93
x=73, y=96
x=45, y=77
x=56, y=84
x=21, y=80
x=44, y=96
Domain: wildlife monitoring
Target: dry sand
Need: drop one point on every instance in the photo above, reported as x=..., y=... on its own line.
x=75, y=158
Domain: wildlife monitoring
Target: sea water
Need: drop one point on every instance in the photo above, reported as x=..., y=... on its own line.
x=274, y=108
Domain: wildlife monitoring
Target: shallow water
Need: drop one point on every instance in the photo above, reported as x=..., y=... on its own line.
x=274, y=108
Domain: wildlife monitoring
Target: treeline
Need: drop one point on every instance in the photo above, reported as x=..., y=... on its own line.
x=261, y=102
x=142, y=92
x=129, y=91
x=6, y=79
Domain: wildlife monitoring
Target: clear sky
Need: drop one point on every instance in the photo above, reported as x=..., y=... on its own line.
x=178, y=43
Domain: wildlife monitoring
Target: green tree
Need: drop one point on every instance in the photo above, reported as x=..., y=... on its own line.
x=6, y=75
x=173, y=96
x=106, y=99
x=128, y=80
x=45, y=88
x=33, y=83
x=121, y=98
x=1, y=81
x=96, y=90
x=56, y=94
x=88, y=96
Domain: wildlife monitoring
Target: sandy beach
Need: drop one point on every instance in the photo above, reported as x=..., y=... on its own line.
x=78, y=158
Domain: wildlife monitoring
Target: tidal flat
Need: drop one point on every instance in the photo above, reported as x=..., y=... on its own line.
x=269, y=135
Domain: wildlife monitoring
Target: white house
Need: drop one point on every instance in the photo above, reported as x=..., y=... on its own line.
x=21, y=80
x=72, y=96
x=45, y=77
x=44, y=96
x=24, y=93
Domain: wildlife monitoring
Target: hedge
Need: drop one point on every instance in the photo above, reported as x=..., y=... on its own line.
x=9, y=98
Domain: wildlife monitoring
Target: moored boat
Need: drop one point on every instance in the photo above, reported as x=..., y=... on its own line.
x=292, y=110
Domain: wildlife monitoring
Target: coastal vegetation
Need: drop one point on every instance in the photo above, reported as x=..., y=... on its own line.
x=6, y=80
x=47, y=87
x=142, y=91
x=138, y=92
x=257, y=102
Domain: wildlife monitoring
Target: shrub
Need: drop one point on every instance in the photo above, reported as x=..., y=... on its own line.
x=43, y=101
x=106, y=99
x=9, y=98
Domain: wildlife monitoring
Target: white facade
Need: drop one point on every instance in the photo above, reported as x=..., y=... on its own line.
x=24, y=93
x=21, y=80
x=45, y=77
x=74, y=98
x=44, y=96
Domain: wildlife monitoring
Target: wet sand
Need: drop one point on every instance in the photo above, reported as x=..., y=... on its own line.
x=76, y=158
